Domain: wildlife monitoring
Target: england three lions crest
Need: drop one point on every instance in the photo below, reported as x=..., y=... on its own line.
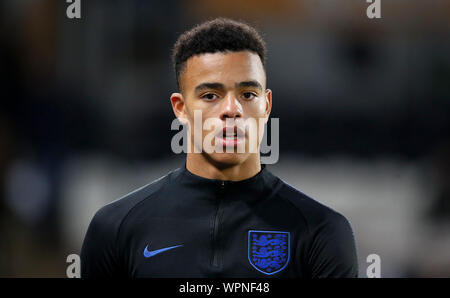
x=268, y=251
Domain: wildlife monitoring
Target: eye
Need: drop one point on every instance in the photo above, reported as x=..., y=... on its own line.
x=248, y=95
x=209, y=96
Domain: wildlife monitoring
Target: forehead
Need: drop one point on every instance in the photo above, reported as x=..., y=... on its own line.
x=227, y=68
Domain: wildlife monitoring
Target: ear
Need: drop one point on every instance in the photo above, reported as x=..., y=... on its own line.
x=178, y=107
x=268, y=104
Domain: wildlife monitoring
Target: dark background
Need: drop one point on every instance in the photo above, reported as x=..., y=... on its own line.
x=364, y=108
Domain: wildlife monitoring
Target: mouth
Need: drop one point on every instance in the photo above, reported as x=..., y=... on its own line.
x=230, y=136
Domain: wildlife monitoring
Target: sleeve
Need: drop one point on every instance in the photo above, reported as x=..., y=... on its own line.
x=99, y=253
x=333, y=252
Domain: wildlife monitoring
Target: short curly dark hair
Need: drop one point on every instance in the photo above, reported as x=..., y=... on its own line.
x=217, y=35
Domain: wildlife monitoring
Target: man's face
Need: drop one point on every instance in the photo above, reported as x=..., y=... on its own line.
x=229, y=89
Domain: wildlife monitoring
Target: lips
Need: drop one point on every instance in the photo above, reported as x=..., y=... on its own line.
x=230, y=136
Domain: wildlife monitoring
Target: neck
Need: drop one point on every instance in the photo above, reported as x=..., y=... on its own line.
x=200, y=165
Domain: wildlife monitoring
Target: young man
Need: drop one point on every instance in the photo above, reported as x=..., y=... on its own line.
x=222, y=214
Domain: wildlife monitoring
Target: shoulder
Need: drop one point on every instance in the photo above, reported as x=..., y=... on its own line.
x=331, y=247
x=100, y=253
x=113, y=214
x=314, y=213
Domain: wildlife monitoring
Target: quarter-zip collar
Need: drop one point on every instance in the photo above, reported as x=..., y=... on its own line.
x=254, y=185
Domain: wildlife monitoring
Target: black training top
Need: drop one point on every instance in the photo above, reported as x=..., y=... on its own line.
x=184, y=225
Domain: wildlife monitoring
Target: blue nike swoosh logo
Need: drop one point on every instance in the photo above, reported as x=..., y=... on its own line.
x=152, y=253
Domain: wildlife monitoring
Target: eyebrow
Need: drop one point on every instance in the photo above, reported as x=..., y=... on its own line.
x=250, y=84
x=221, y=86
x=204, y=86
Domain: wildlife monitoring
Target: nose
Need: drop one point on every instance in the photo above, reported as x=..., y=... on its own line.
x=231, y=108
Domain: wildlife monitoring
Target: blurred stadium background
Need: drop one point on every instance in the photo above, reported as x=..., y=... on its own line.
x=364, y=110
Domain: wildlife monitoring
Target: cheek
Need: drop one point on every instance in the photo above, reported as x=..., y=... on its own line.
x=256, y=109
x=207, y=109
x=191, y=108
x=262, y=107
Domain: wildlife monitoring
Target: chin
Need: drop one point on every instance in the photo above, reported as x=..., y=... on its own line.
x=227, y=159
